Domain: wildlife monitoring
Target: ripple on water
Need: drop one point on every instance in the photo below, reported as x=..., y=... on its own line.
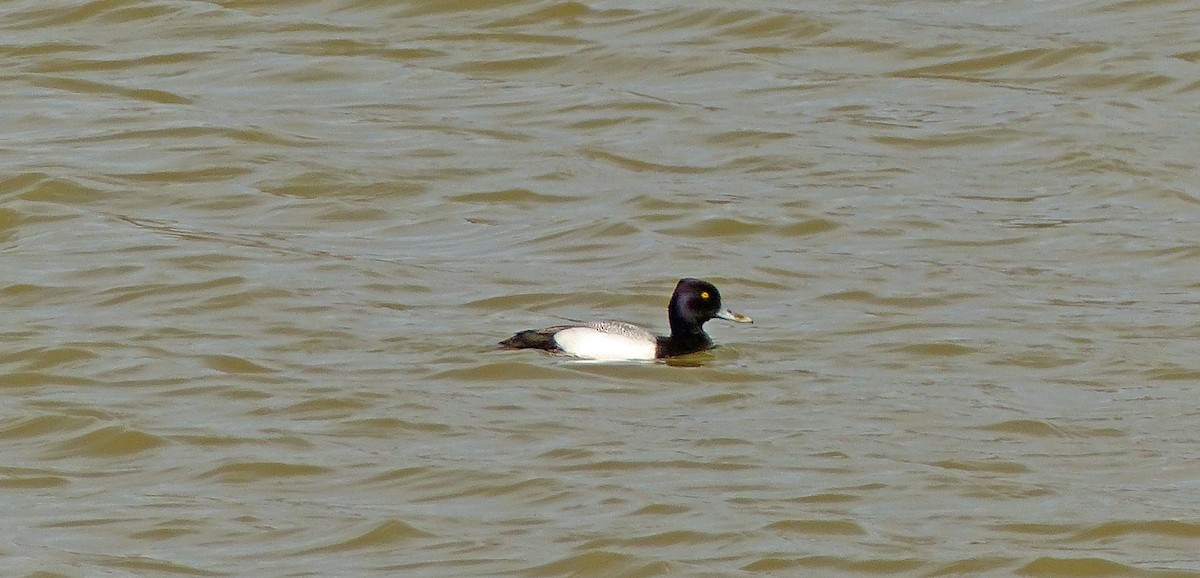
x=33, y=379
x=14, y=478
x=389, y=427
x=524, y=197
x=369, y=536
x=1043, y=428
x=261, y=471
x=10, y=222
x=817, y=527
x=103, y=89
x=107, y=442
x=140, y=565
x=507, y=371
x=718, y=227
x=881, y=566
x=1057, y=566
x=42, y=425
x=597, y=562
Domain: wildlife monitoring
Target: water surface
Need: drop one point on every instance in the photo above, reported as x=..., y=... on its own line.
x=256, y=256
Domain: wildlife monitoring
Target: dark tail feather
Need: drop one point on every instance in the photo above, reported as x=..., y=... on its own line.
x=533, y=339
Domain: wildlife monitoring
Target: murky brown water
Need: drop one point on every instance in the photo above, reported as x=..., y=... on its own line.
x=256, y=254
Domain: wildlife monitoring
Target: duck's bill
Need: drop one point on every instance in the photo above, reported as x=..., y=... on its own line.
x=735, y=317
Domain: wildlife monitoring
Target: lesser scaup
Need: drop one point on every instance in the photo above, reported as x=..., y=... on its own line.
x=693, y=303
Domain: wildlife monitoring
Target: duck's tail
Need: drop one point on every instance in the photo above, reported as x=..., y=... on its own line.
x=533, y=339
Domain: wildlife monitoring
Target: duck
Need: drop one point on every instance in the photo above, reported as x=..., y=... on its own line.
x=693, y=303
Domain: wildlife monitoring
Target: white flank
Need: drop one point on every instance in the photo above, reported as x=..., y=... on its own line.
x=591, y=343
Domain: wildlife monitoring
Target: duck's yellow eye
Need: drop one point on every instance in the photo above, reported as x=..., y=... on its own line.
x=704, y=294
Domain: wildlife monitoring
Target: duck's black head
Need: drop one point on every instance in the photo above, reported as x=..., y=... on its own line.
x=693, y=303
